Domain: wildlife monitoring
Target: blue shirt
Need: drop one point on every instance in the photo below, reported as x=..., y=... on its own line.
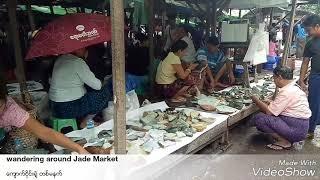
x=301, y=32
x=215, y=60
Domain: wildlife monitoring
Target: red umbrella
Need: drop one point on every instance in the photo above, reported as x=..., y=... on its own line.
x=69, y=33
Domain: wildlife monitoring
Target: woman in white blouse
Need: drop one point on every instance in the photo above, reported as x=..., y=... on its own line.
x=68, y=95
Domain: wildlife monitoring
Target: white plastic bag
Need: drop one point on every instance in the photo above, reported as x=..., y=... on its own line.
x=258, y=48
x=132, y=101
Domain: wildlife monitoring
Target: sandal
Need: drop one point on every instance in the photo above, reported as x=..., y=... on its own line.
x=277, y=147
x=310, y=136
x=178, y=100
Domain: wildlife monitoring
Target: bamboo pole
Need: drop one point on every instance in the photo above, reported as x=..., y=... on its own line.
x=282, y=19
x=289, y=37
x=12, y=5
x=30, y=17
x=118, y=71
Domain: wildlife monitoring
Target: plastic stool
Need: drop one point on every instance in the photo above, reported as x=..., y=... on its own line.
x=58, y=124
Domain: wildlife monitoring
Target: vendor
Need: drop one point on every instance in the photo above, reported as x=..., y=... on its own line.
x=11, y=115
x=68, y=95
x=190, y=57
x=216, y=60
x=173, y=81
x=287, y=117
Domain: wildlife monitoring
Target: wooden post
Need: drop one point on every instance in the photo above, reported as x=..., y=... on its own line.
x=271, y=18
x=214, y=18
x=259, y=19
x=163, y=22
x=12, y=5
x=288, y=40
x=289, y=37
x=209, y=19
x=30, y=17
x=149, y=4
x=118, y=72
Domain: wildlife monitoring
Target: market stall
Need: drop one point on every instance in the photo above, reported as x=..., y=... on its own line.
x=233, y=111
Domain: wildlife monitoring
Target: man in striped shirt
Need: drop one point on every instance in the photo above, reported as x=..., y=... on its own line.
x=216, y=60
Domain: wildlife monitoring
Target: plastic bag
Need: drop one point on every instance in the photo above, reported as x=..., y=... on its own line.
x=258, y=48
x=132, y=102
x=145, y=102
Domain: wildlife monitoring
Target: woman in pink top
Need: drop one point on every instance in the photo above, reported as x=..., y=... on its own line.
x=286, y=118
x=11, y=115
x=272, y=46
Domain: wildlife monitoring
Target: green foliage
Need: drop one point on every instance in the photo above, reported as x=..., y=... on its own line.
x=314, y=8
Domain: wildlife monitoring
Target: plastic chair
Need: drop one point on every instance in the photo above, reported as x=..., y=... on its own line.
x=58, y=124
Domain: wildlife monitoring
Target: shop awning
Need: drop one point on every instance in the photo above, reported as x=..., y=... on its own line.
x=248, y=4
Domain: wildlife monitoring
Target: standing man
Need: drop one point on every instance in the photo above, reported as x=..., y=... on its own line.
x=190, y=52
x=171, y=33
x=312, y=53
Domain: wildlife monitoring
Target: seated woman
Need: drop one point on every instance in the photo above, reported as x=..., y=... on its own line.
x=287, y=117
x=68, y=95
x=11, y=115
x=173, y=81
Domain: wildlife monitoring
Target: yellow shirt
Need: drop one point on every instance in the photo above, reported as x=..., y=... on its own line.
x=165, y=72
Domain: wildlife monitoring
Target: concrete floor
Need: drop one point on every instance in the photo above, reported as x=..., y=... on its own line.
x=247, y=140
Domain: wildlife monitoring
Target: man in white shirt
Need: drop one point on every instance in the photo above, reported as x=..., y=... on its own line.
x=190, y=52
x=171, y=33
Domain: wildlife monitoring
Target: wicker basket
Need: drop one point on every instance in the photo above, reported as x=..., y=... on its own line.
x=28, y=140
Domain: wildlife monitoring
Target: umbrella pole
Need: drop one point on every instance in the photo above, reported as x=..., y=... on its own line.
x=30, y=17
x=12, y=5
x=118, y=71
x=51, y=9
